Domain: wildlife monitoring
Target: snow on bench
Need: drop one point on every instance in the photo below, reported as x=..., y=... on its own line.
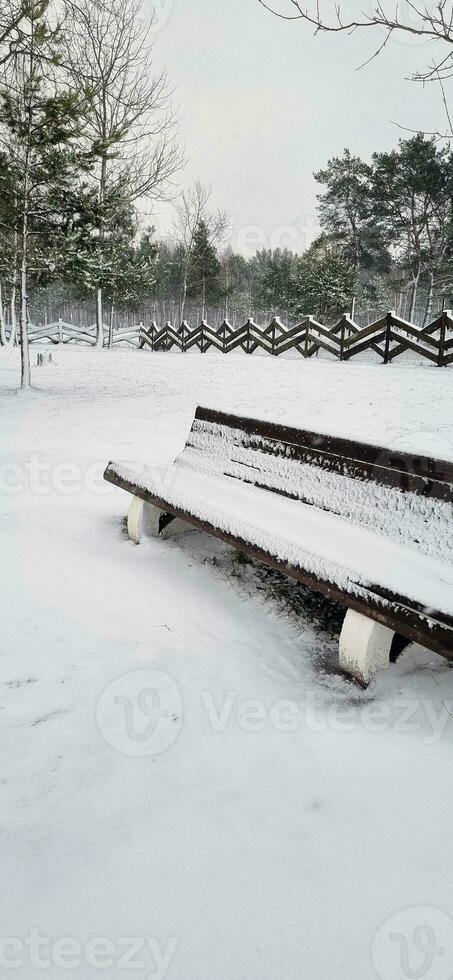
x=367, y=526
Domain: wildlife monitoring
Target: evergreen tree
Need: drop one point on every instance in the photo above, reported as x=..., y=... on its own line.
x=413, y=191
x=345, y=207
x=203, y=280
x=168, y=273
x=325, y=282
x=273, y=272
x=235, y=278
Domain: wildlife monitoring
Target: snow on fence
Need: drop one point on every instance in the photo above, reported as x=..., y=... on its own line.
x=386, y=338
x=61, y=332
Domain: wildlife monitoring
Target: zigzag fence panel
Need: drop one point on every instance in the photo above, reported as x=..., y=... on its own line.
x=387, y=338
x=384, y=340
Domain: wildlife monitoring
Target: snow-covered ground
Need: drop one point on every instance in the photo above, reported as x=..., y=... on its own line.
x=187, y=790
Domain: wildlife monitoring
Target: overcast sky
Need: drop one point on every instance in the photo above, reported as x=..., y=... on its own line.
x=264, y=103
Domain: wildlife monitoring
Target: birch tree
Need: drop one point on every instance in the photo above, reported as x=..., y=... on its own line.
x=38, y=121
x=130, y=126
x=12, y=16
x=9, y=250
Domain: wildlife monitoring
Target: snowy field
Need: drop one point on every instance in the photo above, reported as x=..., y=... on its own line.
x=188, y=789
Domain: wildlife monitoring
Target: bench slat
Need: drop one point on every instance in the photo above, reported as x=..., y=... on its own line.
x=421, y=474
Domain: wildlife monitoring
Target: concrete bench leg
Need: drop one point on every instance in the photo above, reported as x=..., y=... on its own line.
x=144, y=518
x=364, y=647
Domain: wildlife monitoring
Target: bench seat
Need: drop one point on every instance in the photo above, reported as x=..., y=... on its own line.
x=380, y=542
x=325, y=545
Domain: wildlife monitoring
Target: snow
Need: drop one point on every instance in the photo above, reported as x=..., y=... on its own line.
x=422, y=521
x=350, y=533
x=323, y=544
x=291, y=824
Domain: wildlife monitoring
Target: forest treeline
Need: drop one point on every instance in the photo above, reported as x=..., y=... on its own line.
x=386, y=243
x=89, y=143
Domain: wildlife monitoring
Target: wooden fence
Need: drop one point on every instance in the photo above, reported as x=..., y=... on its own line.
x=386, y=338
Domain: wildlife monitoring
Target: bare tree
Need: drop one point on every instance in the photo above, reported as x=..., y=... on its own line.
x=432, y=21
x=191, y=208
x=130, y=127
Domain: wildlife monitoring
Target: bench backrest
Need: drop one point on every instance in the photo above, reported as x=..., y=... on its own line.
x=400, y=495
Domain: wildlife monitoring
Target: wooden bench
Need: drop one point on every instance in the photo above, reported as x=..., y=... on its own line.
x=369, y=527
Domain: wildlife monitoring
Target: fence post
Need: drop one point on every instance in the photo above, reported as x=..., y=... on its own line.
x=343, y=335
x=60, y=330
x=223, y=335
x=387, y=337
x=273, y=336
x=442, y=338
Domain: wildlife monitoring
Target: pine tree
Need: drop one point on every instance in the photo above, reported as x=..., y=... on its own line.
x=235, y=278
x=345, y=207
x=325, y=282
x=412, y=191
x=273, y=271
x=204, y=269
x=125, y=270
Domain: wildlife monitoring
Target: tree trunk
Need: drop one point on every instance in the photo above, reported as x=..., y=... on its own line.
x=99, y=297
x=203, y=304
x=25, y=377
x=415, y=282
x=184, y=296
x=112, y=314
x=429, y=300
x=13, y=330
x=2, y=321
x=227, y=290
x=25, y=374
x=99, y=320
x=13, y=319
